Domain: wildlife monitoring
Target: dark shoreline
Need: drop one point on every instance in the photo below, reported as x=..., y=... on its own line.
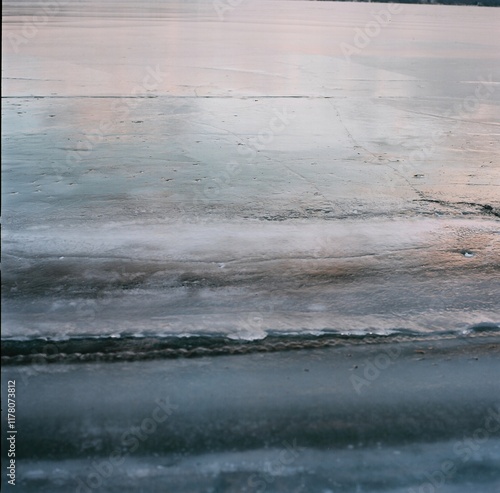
x=148, y=347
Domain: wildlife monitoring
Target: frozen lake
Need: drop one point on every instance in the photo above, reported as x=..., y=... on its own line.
x=249, y=167
x=324, y=174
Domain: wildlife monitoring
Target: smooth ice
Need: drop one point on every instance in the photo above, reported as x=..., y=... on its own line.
x=179, y=168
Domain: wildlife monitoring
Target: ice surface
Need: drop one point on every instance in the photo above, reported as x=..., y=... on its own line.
x=174, y=169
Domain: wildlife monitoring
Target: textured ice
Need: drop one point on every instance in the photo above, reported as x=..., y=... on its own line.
x=170, y=169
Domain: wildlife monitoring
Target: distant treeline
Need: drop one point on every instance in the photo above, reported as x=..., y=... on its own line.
x=480, y=3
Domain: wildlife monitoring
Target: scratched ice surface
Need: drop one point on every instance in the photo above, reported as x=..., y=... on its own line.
x=182, y=168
